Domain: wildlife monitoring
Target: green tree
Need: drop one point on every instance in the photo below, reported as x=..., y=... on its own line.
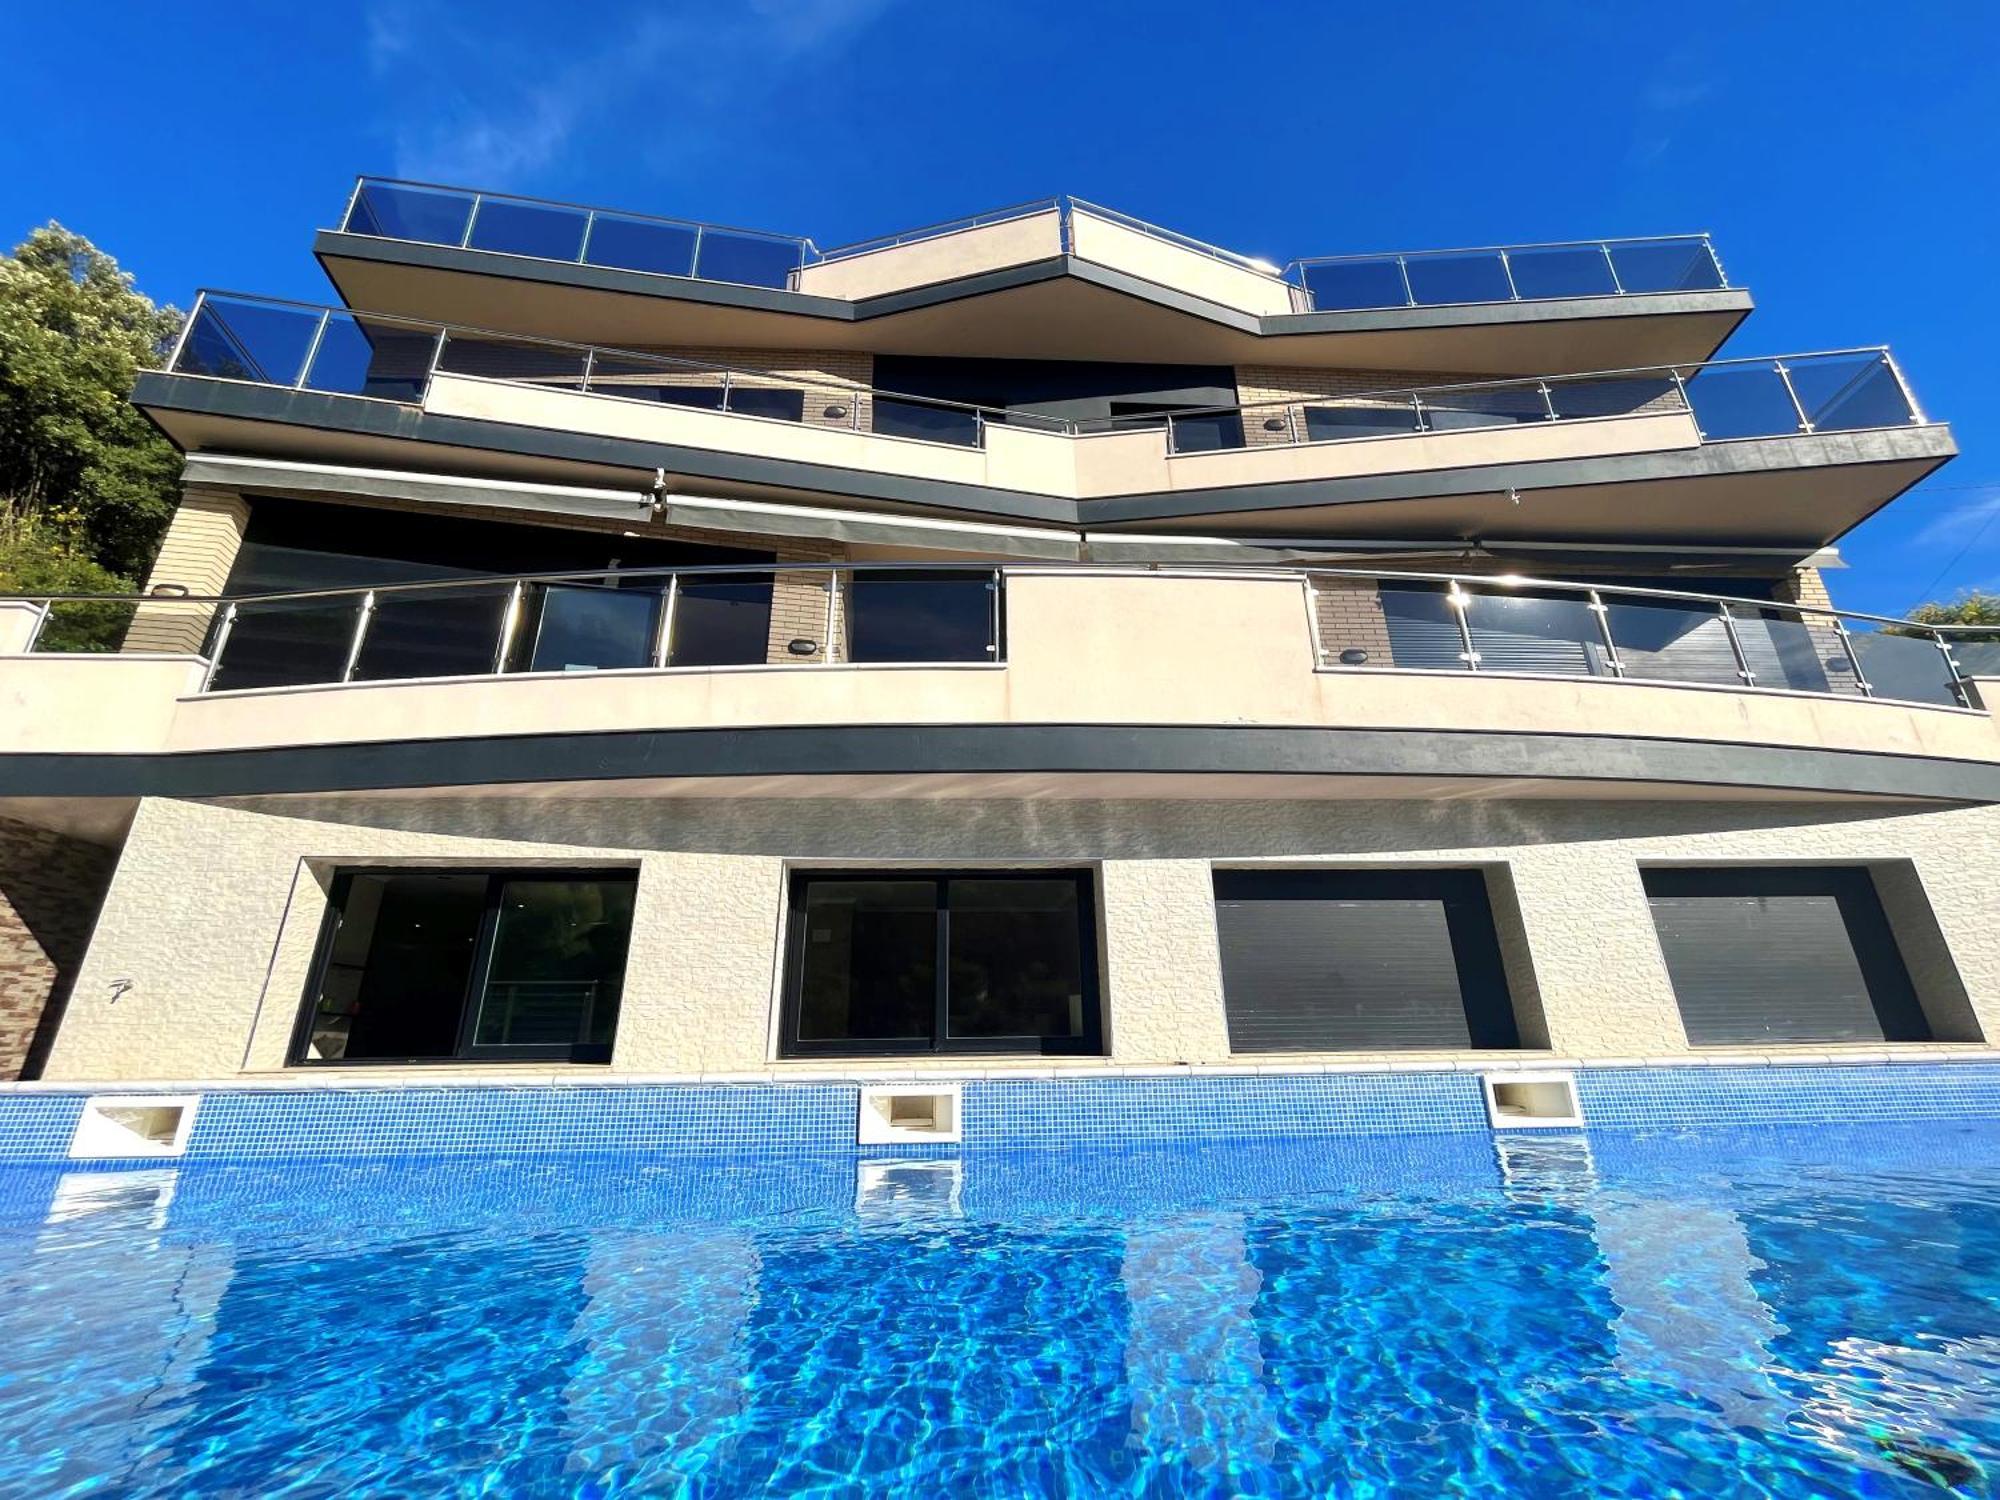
x=1978, y=607
x=86, y=485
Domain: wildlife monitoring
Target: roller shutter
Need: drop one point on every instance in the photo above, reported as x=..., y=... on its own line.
x=1782, y=955
x=1360, y=960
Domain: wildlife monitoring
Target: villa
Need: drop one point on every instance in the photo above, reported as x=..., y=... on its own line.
x=620, y=681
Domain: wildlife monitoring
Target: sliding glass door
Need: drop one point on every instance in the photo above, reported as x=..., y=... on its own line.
x=443, y=965
x=892, y=962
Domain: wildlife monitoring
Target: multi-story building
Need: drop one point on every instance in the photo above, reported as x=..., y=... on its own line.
x=1041, y=643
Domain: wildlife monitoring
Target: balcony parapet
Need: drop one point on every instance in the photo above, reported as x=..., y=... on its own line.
x=642, y=397
x=1428, y=667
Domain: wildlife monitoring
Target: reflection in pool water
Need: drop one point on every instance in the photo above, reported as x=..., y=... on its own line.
x=1775, y=1313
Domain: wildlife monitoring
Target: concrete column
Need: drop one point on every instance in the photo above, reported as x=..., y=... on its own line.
x=1605, y=989
x=1163, y=967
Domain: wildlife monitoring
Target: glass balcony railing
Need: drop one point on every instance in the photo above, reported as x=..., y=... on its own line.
x=953, y=614
x=343, y=352
x=542, y=230
x=1442, y=623
x=1509, y=273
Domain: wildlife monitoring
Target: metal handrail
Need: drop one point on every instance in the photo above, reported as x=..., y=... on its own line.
x=1699, y=237
x=1511, y=581
x=988, y=415
x=942, y=227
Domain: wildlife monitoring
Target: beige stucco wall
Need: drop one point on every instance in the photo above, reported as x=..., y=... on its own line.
x=214, y=909
x=1161, y=261
x=944, y=257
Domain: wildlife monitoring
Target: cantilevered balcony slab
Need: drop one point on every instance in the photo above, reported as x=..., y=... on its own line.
x=1641, y=477
x=1065, y=280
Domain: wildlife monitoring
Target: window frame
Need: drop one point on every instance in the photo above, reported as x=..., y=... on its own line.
x=1089, y=1044
x=465, y=1050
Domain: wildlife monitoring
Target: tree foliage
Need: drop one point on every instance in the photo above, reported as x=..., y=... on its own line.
x=86, y=485
x=1979, y=607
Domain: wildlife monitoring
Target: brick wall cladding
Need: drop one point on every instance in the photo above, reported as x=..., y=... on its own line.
x=1808, y=586
x=50, y=889
x=196, y=555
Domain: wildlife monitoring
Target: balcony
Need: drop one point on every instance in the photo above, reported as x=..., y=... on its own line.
x=1789, y=451
x=1052, y=278
x=936, y=680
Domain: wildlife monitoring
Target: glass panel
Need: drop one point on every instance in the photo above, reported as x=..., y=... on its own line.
x=722, y=622
x=426, y=633
x=1494, y=406
x=1845, y=393
x=361, y=357
x=1785, y=650
x=868, y=961
x=1207, y=431
x=92, y=625
x=1563, y=271
x=750, y=260
x=586, y=628
x=1671, y=640
x=1554, y=632
x=1666, y=266
x=248, y=341
x=635, y=379
x=1440, y=279
x=433, y=216
x=1978, y=658
x=1904, y=666
x=641, y=245
x=1735, y=401
x=283, y=644
x=1328, y=423
x=920, y=617
x=397, y=966
x=919, y=419
x=1615, y=397
x=536, y=229
x=1423, y=628
x=1356, y=284
x=502, y=359
x=1015, y=959
x=558, y=965
x=776, y=402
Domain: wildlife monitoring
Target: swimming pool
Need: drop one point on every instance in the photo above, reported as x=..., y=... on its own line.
x=1783, y=1312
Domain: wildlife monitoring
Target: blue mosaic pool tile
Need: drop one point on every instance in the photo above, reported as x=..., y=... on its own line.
x=1670, y=1098
x=801, y=1119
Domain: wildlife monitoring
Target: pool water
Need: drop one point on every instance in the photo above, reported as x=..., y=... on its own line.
x=1769, y=1313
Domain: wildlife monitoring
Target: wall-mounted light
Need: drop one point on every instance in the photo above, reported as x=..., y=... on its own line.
x=835, y=411
x=169, y=591
x=1354, y=656
x=800, y=646
x=1274, y=424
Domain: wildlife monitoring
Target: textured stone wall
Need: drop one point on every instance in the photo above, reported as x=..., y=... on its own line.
x=214, y=909
x=50, y=887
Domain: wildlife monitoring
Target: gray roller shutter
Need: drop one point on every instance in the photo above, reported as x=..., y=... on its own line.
x=1360, y=960
x=1784, y=955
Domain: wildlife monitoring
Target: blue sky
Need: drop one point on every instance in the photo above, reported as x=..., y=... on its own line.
x=1841, y=152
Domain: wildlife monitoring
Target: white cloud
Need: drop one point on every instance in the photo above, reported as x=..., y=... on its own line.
x=1961, y=523
x=484, y=106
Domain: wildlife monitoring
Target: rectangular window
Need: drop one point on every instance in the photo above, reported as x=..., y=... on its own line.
x=954, y=961
x=1783, y=955
x=443, y=965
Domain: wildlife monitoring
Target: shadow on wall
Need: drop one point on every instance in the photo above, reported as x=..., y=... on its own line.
x=946, y=829
x=50, y=890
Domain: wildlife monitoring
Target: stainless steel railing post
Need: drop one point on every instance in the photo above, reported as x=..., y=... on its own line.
x=1736, y=645
x=510, y=622
x=1507, y=268
x=1785, y=375
x=1409, y=292
x=1861, y=682
x=361, y=619
x=1611, y=265
x=663, y=641
x=471, y=218
x=1461, y=603
x=215, y=651
x=312, y=351
x=826, y=656
x=1603, y=612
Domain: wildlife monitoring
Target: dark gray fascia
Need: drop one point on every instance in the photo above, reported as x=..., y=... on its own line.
x=335, y=245
x=994, y=749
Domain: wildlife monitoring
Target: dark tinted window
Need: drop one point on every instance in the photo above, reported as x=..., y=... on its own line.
x=945, y=616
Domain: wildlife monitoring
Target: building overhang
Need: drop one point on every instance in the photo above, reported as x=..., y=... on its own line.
x=1800, y=492
x=1059, y=306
